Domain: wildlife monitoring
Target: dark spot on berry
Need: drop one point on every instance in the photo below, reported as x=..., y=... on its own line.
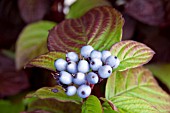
x=83, y=93
x=54, y=90
x=69, y=63
x=115, y=57
x=93, y=76
x=92, y=62
x=75, y=76
x=89, y=58
x=109, y=71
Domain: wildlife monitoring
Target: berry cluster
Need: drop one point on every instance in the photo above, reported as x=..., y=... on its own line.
x=78, y=75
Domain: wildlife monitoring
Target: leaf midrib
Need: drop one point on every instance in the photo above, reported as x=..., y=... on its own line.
x=132, y=88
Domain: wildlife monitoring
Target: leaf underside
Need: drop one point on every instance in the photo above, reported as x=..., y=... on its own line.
x=100, y=27
x=136, y=83
x=131, y=54
x=54, y=106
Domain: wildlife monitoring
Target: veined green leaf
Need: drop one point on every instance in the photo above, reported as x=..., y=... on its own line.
x=100, y=27
x=131, y=54
x=46, y=61
x=129, y=104
x=32, y=42
x=82, y=6
x=59, y=94
x=92, y=105
x=137, y=83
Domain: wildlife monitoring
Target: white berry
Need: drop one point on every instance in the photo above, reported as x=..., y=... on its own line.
x=86, y=50
x=105, y=71
x=72, y=67
x=96, y=54
x=83, y=66
x=72, y=56
x=95, y=64
x=113, y=61
x=71, y=90
x=84, y=91
x=60, y=64
x=105, y=55
x=79, y=78
x=92, y=78
x=65, y=77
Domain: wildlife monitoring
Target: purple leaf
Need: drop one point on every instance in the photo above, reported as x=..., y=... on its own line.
x=147, y=11
x=33, y=10
x=11, y=81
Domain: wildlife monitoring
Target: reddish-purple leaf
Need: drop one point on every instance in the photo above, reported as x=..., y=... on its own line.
x=147, y=11
x=100, y=27
x=33, y=10
x=11, y=81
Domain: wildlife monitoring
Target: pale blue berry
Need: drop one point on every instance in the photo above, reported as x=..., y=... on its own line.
x=71, y=90
x=72, y=67
x=95, y=64
x=96, y=54
x=60, y=64
x=113, y=61
x=105, y=71
x=65, y=77
x=105, y=55
x=79, y=78
x=72, y=56
x=83, y=66
x=86, y=50
x=84, y=91
x=92, y=78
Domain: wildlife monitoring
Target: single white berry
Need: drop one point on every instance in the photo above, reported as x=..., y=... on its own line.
x=79, y=78
x=86, y=50
x=95, y=64
x=72, y=67
x=105, y=71
x=65, y=77
x=113, y=61
x=84, y=91
x=105, y=55
x=92, y=78
x=96, y=54
x=72, y=56
x=83, y=66
x=71, y=90
x=60, y=64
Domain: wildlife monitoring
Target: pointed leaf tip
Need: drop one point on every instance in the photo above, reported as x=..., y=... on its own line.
x=131, y=54
x=46, y=60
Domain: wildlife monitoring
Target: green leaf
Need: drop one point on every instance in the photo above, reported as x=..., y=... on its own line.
x=46, y=61
x=100, y=27
x=137, y=83
x=54, y=106
x=82, y=6
x=129, y=104
x=92, y=105
x=131, y=54
x=162, y=72
x=9, y=107
x=46, y=92
x=32, y=42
